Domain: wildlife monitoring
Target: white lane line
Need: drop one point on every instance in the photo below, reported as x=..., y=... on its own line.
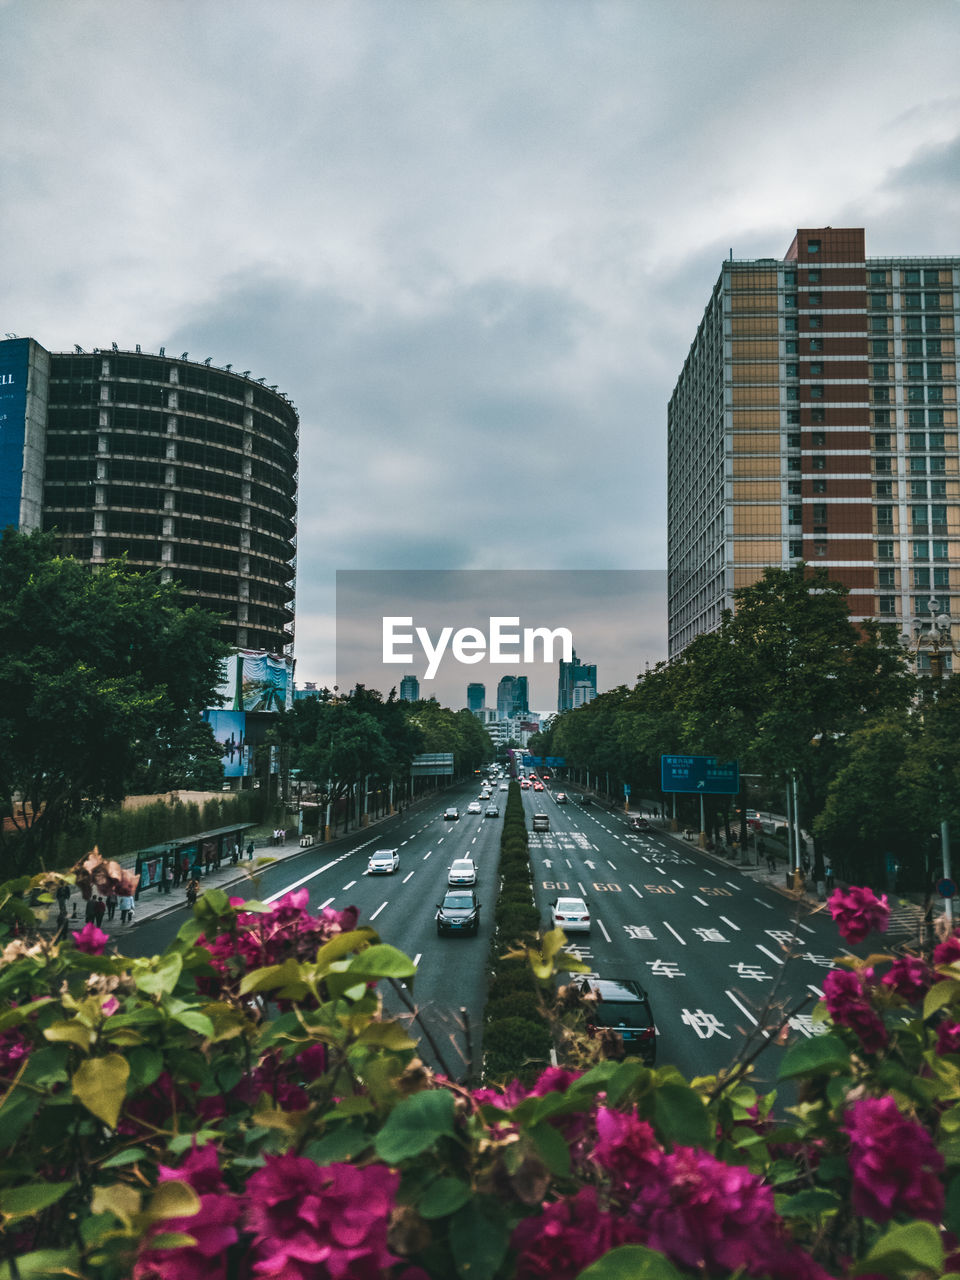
x=581, y=888
x=660, y=871
x=427, y=854
x=747, y=1014
x=569, y=863
x=730, y=924
x=674, y=932
x=733, y=884
x=378, y=910
x=703, y=902
x=603, y=930
x=416, y=958
x=324, y=904
x=806, y=927
x=311, y=876
x=816, y=990
x=846, y=951
x=406, y=877
x=776, y=959
x=678, y=884
x=348, y=886
x=635, y=890
x=403, y=842
x=596, y=847
x=708, y=871
x=610, y=865
x=441, y=840
x=763, y=904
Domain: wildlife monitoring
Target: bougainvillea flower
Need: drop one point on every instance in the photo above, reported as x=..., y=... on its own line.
x=846, y=999
x=570, y=1234
x=947, y=951
x=91, y=939
x=894, y=1163
x=910, y=977
x=213, y=1227
x=858, y=911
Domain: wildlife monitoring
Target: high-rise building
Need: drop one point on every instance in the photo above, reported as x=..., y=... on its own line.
x=583, y=692
x=409, y=689
x=476, y=696
x=179, y=466
x=815, y=419
x=512, y=697
x=573, y=673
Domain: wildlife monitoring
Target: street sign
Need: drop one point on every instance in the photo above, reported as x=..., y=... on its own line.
x=626, y=788
x=946, y=888
x=701, y=775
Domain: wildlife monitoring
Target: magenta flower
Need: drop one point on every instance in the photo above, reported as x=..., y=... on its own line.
x=858, y=911
x=568, y=1235
x=109, y=1006
x=626, y=1149
x=91, y=939
x=947, y=951
x=894, y=1163
x=948, y=1038
x=910, y=977
x=213, y=1227
x=311, y=1223
x=847, y=1002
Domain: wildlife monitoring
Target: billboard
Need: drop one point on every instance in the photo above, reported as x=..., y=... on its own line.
x=703, y=774
x=255, y=680
x=230, y=730
x=13, y=414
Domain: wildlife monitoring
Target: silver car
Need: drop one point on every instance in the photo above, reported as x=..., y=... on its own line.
x=570, y=914
x=463, y=871
x=383, y=862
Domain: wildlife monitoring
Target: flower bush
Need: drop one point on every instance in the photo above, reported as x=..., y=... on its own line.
x=240, y=1107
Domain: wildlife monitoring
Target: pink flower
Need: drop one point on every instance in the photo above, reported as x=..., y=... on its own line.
x=707, y=1215
x=948, y=1038
x=846, y=1000
x=894, y=1163
x=213, y=1227
x=858, y=911
x=91, y=939
x=947, y=951
x=909, y=977
x=567, y=1236
x=626, y=1148
x=109, y=1006
x=311, y=1223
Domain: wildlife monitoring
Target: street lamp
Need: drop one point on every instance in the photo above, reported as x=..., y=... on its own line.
x=933, y=639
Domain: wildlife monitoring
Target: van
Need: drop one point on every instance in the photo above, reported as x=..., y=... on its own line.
x=541, y=822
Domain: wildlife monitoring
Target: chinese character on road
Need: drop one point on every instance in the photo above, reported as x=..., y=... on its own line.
x=803, y=1022
x=665, y=969
x=704, y=1024
x=639, y=932
x=825, y=962
x=751, y=971
x=710, y=935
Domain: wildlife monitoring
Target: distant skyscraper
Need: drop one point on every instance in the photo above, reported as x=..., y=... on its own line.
x=583, y=692
x=409, y=689
x=476, y=696
x=573, y=673
x=512, y=697
x=815, y=419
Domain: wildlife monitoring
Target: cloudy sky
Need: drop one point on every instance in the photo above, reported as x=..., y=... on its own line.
x=471, y=239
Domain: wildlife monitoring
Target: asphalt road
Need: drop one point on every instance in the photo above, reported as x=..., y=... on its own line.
x=709, y=943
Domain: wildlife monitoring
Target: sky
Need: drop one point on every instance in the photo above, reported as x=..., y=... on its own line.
x=472, y=241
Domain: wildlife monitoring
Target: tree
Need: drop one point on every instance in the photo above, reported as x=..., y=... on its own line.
x=103, y=676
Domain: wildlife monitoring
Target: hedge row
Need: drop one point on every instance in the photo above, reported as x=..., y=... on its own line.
x=516, y=1040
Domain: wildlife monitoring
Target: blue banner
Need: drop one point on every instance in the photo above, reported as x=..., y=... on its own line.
x=13, y=412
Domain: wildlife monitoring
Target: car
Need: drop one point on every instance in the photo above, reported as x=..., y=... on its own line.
x=538, y=786
x=620, y=1005
x=459, y=912
x=452, y=814
x=383, y=862
x=504, y=786
x=561, y=797
x=491, y=811
x=570, y=914
x=462, y=871
x=474, y=807
x=639, y=824
x=541, y=822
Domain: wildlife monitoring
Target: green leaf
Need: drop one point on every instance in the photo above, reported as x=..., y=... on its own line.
x=479, y=1235
x=17, y=1110
x=382, y=961
x=808, y=1203
x=270, y=976
x=101, y=1085
x=194, y=1020
x=443, y=1197
x=340, y=1142
x=24, y=1202
x=631, y=1262
x=41, y=1263
x=680, y=1116
x=941, y=993
x=821, y=1055
x=160, y=975
x=951, y=1216
x=71, y=1031
x=415, y=1124
x=552, y=1148
x=146, y=1064
x=120, y=1158
x=388, y=1035
x=914, y=1246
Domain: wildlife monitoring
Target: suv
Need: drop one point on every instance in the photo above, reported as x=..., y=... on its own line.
x=541, y=822
x=459, y=912
x=621, y=1005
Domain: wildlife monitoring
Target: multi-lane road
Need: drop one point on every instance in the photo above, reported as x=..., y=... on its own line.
x=710, y=944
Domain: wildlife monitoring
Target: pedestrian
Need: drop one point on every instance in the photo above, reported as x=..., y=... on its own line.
x=61, y=921
x=111, y=904
x=250, y=849
x=828, y=873
x=99, y=910
x=235, y=856
x=126, y=908
x=63, y=896
x=177, y=872
x=90, y=910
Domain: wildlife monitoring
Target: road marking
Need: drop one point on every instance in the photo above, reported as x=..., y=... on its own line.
x=747, y=1014
x=763, y=904
x=635, y=890
x=310, y=876
x=378, y=910
x=427, y=854
x=597, y=847
x=403, y=842
x=603, y=930
x=733, y=884
x=775, y=959
x=441, y=840
x=730, y=924
x=416, y=958
x=709, y=872
x=675, y=934
x=348, y=886
x=816, y=991
x=660, y=871
x=806, y=927
x=324, y=904
x=581, y=888
x=703, y=902
x=610, y=865
x=406, y=877
x=678, y=884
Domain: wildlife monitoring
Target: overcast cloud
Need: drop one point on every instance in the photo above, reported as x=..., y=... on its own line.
x=471, y=241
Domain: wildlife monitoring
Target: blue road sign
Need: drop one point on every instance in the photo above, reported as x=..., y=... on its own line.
x=701, y=775
x=946, y=888
x=626, y=788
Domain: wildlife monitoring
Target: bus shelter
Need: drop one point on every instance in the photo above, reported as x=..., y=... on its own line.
x=165, y=866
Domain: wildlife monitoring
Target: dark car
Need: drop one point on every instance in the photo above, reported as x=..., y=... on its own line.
x=621, y=1005
x=639, y=824
x=459, y=912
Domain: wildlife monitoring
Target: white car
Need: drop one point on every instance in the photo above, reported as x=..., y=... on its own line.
x=452, y=814
x=463, y=871
x=383, y=862
x=561, y=797
x=474, y=807
x=570, y=914
x=491, y=811
x=504, y=786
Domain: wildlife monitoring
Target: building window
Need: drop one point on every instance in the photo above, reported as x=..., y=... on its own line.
x=793, y=371
x=911, y=276
x=918, y=489
x=882, y=417
x=878, y=324
x=816, y=369
x=819, y=548
x=931, y=276
x=796, y=550
x=813, y=246
x=818, y=439
x=817, y=415
x=921, y=579
x=793, y=442
x=880, y=347
x=793, y=393
x=933, y=347
x=816, y=392
x=916, y=418
x=935, y=395
x=793, y=464
x=938, y=515
x=792, y=346
x=793, y=417
x=933, y=324
x=941, y=550
x=938, y=488
x=795, y=515
x=882, y=488
x=915, y=395
x=790, y=323
x=913, y=371
x=790, y=300
x=816, y=344
x=913, y=324
x=881, y=395
x=878, y=301
x=819, y=485
x=916, y=440
x=881, y=465
x=794, y=488
x=936, y=420
x=918, y=517
x=931, y=301
x=938, y=464
x=819, y=462
x=914, y=347
x=881, y=441
x=790, y=279
x=921, y=550
x=884, y=550
x=911, y=301
x=813, y=275
x=918, y=464
x=878, y=277
x=815, y=299
x=819, y=513
x=886, y=578
x=815, y=322
x=881, y=372
x=941, y=579
x=887, y=604
x=885, y=516
x=920, y=605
